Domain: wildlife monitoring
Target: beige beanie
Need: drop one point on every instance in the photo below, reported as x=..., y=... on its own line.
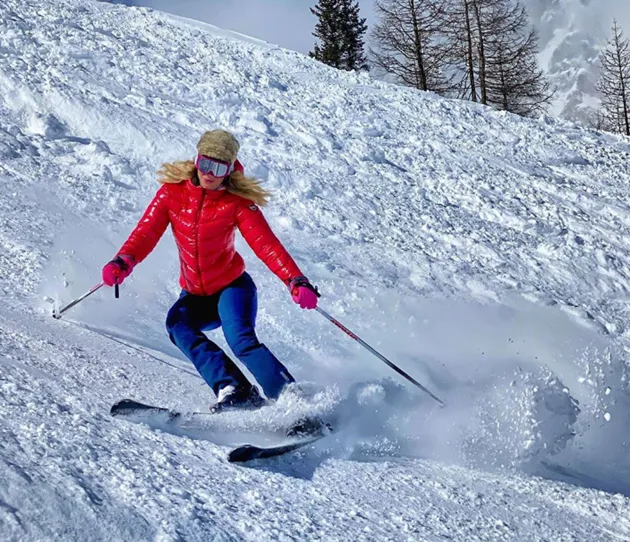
x=219, y=144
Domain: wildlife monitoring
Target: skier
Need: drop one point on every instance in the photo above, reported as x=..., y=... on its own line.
x=205, y=201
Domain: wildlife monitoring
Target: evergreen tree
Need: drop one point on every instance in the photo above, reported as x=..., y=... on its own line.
x=355, y=29
x=614, y=84
x=340, y=32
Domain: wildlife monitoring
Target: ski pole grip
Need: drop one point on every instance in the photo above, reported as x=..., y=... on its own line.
x=116, y=291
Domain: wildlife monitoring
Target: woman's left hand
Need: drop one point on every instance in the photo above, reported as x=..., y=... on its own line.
x=303, y=292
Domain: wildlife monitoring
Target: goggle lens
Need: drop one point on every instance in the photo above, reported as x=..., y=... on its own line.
x=207, y=165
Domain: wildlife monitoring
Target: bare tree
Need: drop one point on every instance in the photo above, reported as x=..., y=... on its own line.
x=614, y=84
x=480, y=50
x=409, y=43
x=493, y=51
x=478, y=6
x=513, y=80
x=470, y=50
x=467, y=26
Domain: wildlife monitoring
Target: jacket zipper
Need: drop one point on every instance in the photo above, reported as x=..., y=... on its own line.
x=203, y=193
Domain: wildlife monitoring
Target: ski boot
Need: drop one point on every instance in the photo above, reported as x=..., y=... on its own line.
x=241, y=398
x=309, y=427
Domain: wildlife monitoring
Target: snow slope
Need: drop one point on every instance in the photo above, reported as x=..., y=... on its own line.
x=572, y=34
x=485, y=254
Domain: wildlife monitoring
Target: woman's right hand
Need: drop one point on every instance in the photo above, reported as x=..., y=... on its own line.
x=303, y=292
x=116, y=271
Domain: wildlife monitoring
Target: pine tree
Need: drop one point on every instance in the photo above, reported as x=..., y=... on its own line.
x=614, y=84
x=340, y=32
x=354, y=57
x=328, y=32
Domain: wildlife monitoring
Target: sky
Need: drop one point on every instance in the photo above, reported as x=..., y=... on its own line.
x=288, y=23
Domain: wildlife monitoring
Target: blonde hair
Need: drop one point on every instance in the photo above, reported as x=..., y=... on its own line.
x=238, y=183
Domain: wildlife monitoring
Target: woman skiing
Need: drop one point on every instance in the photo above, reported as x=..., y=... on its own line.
x=205, y=201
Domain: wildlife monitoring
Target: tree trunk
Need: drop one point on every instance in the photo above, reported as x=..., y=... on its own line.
x=418, y=45
x=471, y=62
x=482, y=56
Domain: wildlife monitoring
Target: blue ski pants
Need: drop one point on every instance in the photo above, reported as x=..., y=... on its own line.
x=233, y=308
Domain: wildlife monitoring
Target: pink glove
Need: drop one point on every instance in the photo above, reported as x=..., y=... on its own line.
x=116, y=271
x=303, y=292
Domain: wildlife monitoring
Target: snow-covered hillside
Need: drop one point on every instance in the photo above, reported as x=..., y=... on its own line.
x=485, y=254
x=572, y=34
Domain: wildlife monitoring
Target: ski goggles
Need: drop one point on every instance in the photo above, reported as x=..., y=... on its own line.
x=208, y=165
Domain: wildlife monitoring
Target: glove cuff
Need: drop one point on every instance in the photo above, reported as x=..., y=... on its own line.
x=302, y=282
x=126, y=263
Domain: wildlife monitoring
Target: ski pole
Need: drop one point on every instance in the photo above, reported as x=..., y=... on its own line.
x=57, y=314
x=377, y=354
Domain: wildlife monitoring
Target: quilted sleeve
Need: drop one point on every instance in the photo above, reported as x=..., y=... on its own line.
x=256, y=231
x=150, y=228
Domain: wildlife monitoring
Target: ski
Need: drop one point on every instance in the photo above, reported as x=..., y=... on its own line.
x=129, y=407
x=248, y=452
x=308, y=430
x=302, y=433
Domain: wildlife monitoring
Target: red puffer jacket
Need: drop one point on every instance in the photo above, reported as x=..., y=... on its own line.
x=204, y=224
